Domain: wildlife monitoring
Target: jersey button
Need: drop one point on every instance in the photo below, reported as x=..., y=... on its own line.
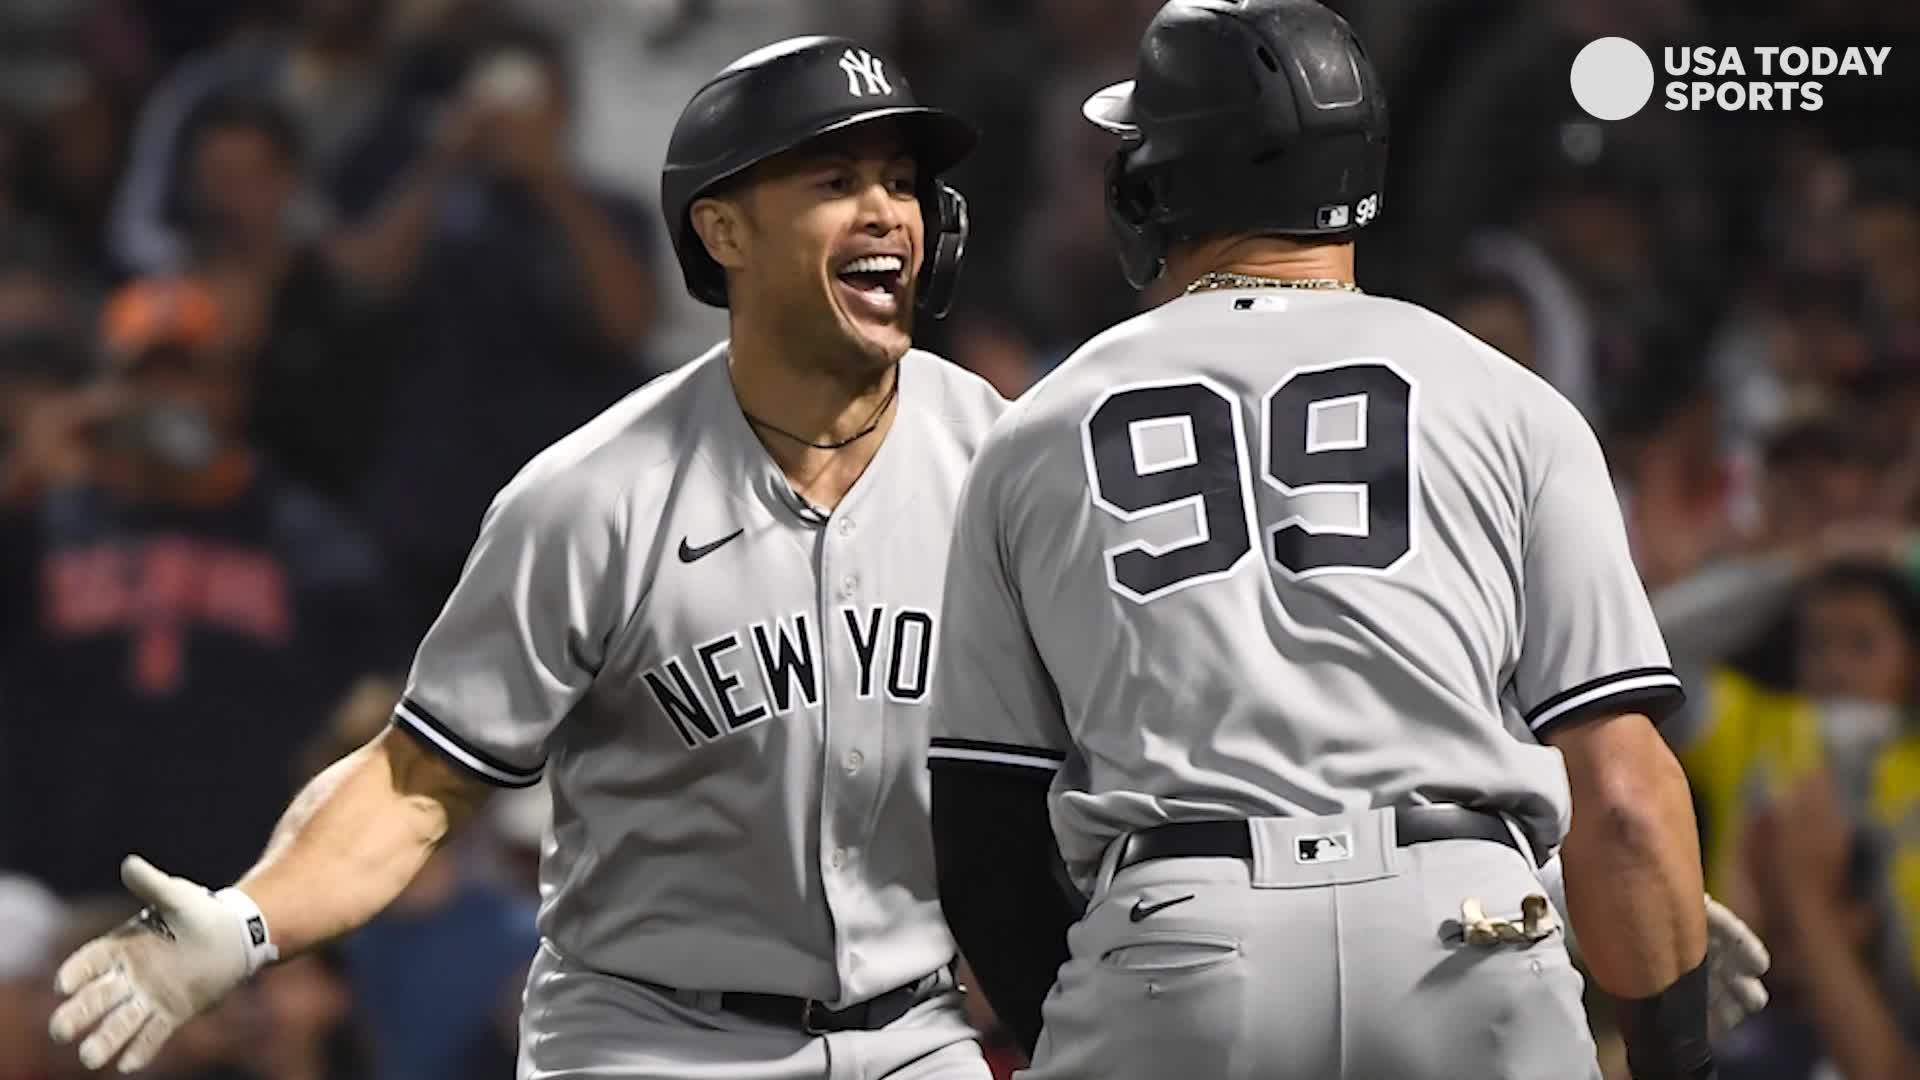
x=838, y=859
x=846, y=528
x=847, y=585
x=855, y=759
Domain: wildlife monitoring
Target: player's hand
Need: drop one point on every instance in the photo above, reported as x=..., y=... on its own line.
x=1736, y=960
x=134, y=987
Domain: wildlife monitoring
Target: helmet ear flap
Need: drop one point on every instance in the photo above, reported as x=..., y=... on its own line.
x=1139, y=238
x=944, y=211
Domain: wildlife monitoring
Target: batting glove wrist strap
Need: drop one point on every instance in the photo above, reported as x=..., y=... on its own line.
x=1666, y=1034
x=261, y=950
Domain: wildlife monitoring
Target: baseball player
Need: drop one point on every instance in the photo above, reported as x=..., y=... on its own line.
x=707, y=618
x=1251, y=594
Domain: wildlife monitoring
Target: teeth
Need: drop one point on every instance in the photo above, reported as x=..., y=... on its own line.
x=874, y=264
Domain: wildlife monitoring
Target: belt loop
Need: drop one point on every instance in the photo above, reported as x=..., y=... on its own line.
x=1520, y=838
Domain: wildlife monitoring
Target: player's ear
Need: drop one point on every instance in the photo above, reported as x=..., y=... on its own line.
x=720, y=222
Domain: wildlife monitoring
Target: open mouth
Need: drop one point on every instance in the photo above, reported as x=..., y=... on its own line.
x=873, y=285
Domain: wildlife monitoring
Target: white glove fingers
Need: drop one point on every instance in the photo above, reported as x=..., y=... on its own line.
x=145, y=880
x=85, y=1008
x=88, y=962
x=147, y=1045
x=1751, y=994
x=1745, y=954
x=1739, y=948
x=120, y=1025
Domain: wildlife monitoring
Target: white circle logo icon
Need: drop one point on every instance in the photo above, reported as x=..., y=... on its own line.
x=1612, y=78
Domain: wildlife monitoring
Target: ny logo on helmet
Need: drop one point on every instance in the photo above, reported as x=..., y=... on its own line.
x=862, y=66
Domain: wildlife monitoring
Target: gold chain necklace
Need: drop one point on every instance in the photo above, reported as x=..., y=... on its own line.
x=1226, y=279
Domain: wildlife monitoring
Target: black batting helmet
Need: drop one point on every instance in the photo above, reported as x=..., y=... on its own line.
x=1243, y=116
x=776, y=98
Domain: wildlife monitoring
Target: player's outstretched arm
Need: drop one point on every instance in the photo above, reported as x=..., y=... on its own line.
x=1634, y=890
x=348, y=845
x=356, y=836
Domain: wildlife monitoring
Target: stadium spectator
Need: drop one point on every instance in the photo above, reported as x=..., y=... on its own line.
x=1494, y=309
x=535, y=298
x=1825, y=859
x=1886, y=237
x=322, y=348
x=327, y=70
x=172, y=611
x=42, y=346
x=306, y=1008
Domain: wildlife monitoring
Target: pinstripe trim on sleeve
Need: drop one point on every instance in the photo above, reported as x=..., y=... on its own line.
x=1658, y=686
x=415, y=720
x=981, y=752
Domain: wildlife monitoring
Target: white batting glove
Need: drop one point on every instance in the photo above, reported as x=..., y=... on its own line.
x=1736, y=959
x=134, y=987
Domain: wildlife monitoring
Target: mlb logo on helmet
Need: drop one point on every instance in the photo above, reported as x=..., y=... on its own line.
x=1333, y=217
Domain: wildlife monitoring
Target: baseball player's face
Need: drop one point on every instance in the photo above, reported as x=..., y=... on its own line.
x=833, y=244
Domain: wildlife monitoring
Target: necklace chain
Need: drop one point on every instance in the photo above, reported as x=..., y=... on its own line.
x=842, y=444
x=1227, y=279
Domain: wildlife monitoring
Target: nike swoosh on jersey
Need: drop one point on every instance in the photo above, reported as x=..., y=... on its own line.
x=1142, y=909
x=690, y=554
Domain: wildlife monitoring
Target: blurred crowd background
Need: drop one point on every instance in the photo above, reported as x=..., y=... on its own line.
x=288, y=289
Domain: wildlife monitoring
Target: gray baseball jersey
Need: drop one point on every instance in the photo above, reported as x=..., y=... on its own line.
x=729, y=699
x=1284, y=553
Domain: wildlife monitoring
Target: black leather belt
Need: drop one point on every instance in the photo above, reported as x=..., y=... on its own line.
x=1233, y=840
x=815, y=1018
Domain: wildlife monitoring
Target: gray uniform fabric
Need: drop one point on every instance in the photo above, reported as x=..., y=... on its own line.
x=729, y=699
x=1278, y=970
x=594, y=1026
x=1280, y=554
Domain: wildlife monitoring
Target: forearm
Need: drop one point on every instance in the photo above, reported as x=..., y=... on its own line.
x=1719, y=610
x=994, y=849
x=353, y=839
x=1847, y=1005
x=385, y=250
x=1633, y=879
x=618, y=286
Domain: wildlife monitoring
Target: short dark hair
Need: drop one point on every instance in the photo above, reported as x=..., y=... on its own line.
x=1890, y=584
x=254, y=113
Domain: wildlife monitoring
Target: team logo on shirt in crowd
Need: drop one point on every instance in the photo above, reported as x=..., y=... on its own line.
x=769, y=669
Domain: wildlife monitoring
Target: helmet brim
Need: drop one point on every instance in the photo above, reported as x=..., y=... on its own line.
x=1111, y=109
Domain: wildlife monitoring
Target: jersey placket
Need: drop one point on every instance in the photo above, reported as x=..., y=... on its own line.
x=854, y=603
x=850, y=740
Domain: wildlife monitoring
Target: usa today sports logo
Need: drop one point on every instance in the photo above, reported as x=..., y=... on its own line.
x=1613, y=78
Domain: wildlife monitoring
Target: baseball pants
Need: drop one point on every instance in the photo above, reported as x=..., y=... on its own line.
x=579, y=1024
x=1333, y=962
